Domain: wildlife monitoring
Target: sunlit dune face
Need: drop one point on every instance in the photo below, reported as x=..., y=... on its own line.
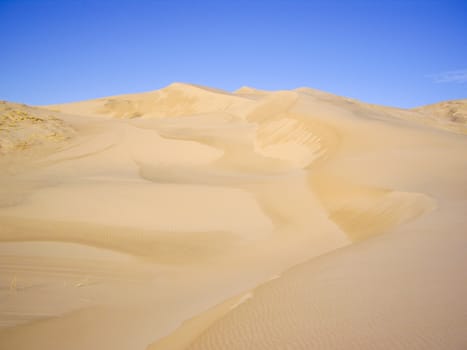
x=185, y=210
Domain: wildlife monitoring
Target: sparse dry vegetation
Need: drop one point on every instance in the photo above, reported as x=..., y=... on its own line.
x=22, y=127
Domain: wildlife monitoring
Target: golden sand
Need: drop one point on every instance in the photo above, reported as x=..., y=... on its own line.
x=162, y=220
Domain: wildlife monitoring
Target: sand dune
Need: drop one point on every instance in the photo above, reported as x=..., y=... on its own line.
x=175, y=100
x=22, y=126
x=453, y=113
x=126, y=218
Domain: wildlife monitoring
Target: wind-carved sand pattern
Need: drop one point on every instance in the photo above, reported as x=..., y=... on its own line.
x=156, y=220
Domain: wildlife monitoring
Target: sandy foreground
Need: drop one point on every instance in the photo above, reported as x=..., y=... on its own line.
x=194, y=218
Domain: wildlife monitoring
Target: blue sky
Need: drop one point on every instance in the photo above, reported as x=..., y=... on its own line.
x=399, y=53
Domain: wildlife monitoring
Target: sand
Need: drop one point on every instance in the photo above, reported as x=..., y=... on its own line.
x=195, y=218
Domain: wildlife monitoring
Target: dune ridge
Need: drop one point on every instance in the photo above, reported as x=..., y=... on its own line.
x=177, y=99
x=453, y=113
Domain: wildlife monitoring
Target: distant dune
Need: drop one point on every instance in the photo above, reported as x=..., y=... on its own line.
x=22, y=126
x=454, y=112
x=196, y=218
x=175, y=100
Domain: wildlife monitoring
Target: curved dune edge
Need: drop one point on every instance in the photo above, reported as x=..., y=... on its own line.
x=391, y=292
x=365, y=211
x=362, y=212
x=190, y=329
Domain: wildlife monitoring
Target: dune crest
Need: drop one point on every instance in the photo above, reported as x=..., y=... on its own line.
x=177, y=99
x=451, y=113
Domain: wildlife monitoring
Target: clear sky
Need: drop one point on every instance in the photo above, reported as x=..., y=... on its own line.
x=402, y=52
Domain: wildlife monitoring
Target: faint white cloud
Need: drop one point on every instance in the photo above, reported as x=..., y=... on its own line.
x=453, y=76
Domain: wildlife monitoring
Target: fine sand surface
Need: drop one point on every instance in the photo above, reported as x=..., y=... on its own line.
x=194, y=218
